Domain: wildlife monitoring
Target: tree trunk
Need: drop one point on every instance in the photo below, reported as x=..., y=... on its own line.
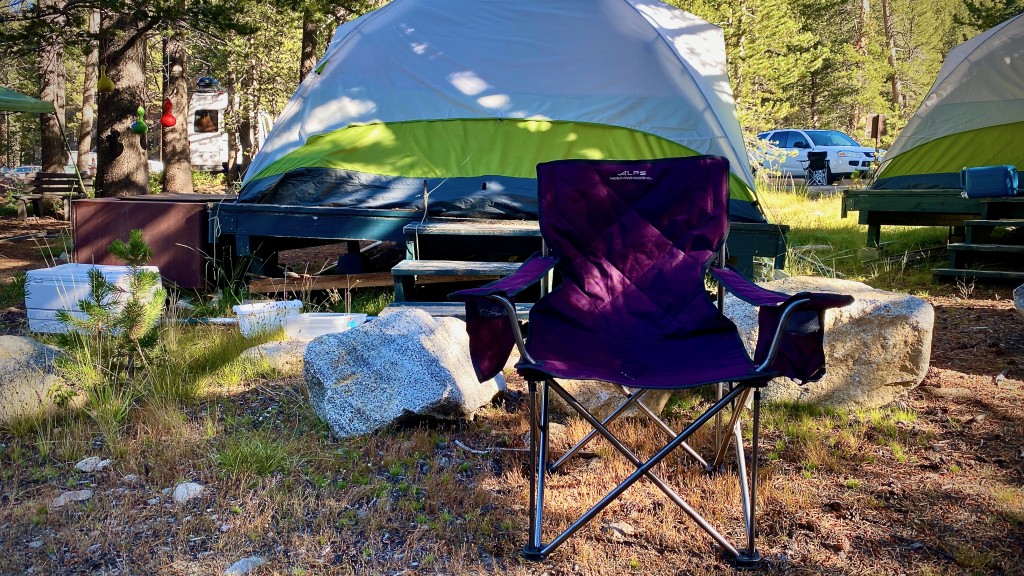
x=89, y=99
x=890, y=49
x=121, y=158
x=307, y=60
x=231, y=127
x=52, y=85
x=813, y=104
x=861, y=45
x=177, y=178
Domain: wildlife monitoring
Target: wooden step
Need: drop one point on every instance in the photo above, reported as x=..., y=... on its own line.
x=986, y=274
x=445, y=271
x=995, y=223
x=453, y=268
x=453, y=309
x=998, y=248
x=474, y=227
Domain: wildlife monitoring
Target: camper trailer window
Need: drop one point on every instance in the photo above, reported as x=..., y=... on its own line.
x=206, y=121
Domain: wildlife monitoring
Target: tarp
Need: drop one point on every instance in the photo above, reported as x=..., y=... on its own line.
x=972, y=116
x=463, y=98
x=11, y=101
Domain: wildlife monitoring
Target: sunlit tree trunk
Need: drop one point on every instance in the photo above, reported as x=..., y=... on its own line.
x=121, y=158
x=890, y=49
x=177, y=177
x=231, y=126
x=52, y=86
x=308, y=57
x=89, y=98
x=861, y=45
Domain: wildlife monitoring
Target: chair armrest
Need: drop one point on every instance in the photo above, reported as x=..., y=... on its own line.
x=791, y=328
x=736, y=284
x=491, y=320
x=529, y=273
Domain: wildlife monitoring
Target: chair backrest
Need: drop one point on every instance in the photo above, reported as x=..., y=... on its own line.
x=634, y=240
x=817, y=160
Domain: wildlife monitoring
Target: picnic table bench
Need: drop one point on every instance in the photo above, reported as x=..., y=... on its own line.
x=50, y=186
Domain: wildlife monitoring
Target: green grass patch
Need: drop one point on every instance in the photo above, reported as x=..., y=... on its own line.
x=822, y=243
x=254, y=454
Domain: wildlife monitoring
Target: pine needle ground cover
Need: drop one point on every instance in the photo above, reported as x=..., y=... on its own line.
x=929, y=485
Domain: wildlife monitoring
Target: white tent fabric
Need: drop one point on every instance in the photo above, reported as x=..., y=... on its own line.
x=531, y=59
x=980, y=84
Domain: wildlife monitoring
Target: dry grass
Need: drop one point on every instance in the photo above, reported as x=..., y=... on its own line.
x=836, y=495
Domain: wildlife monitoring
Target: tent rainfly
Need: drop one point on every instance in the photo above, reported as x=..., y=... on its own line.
x=459, y=100
x=11, y=101
x=973, y=115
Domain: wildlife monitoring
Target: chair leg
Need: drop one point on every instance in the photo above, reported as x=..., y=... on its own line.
x=538, y=467
x=749, y=558
x=643, y=470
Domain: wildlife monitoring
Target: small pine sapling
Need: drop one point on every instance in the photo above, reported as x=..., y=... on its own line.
x=119, y=323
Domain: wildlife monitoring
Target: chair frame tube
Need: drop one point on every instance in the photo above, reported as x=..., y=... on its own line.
x=737, y=395
x=540, y=551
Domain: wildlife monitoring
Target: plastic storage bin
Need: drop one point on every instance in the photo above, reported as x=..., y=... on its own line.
x=48, y=290
x=989, y=181
x=309, y=326
x=259, y=317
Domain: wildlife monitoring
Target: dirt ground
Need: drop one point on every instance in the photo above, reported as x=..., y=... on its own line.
x=955, y=501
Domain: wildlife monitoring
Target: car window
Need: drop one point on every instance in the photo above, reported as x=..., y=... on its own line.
x=796, y=137
x=830, y=138
x=780, y=138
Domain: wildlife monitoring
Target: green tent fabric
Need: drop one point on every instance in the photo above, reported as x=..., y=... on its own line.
x=973, y=115
x=459, y=100
x=11, y=101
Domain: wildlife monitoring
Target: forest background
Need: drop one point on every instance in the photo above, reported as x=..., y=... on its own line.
x=796, y=63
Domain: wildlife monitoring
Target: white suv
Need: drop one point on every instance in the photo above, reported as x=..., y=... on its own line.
x=845, y=155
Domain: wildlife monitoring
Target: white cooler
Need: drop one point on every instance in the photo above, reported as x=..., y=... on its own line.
x=48, y=290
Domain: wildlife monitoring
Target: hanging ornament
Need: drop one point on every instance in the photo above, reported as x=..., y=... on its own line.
x=168, y=119
x=139, y=126
x=104, y=84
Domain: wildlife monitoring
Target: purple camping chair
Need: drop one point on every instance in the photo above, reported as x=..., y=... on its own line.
x=632, y=243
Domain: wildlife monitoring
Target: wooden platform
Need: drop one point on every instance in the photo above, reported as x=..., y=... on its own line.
x=258, y=231
x=877, y=208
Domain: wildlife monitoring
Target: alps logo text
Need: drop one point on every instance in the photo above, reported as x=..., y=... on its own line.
x=632, y=175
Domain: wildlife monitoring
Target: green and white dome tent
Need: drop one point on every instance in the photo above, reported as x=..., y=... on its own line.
x=464, y=98
x=972, y=116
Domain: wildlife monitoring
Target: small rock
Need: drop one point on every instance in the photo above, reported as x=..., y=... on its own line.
x=244, y=566
x=952, y=393
x=35, y=544
x=153, y=501
x=225, y=527
x=166, y=491
x=187, y=491
x=94, y=549
x=75, y=496
x=976, y=419
x=619, y=531
x=92, y=464
x=132, y=479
